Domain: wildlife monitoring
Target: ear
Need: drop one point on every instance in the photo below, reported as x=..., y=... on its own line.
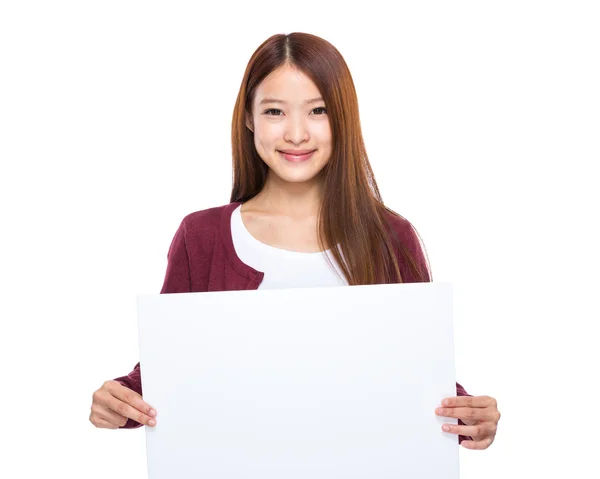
x=249, y=123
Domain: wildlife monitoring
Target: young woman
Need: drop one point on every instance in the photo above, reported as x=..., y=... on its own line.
x=305, y=211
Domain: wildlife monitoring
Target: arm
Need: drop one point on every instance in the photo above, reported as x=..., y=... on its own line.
x=177, y=280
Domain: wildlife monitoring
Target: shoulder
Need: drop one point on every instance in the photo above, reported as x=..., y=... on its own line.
x=404, y=230
x=409, y=248
x=206, y=228
x=209, y=218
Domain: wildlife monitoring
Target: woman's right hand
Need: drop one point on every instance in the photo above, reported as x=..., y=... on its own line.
x=114, y=403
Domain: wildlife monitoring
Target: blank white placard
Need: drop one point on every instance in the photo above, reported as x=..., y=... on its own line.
x=309, y=383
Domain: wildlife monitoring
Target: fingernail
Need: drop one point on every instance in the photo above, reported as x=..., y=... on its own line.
x=152, y=422
x=445, y=427
x=445, y=402
x=440, y=410
x=152, y=412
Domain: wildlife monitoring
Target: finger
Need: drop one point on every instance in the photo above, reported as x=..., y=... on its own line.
x=477, y=431
x=100, y=422
x=470, y=401
x=105, y=397
x=106, y=414
x=483, y=444
x=467, y=413
x=131, y=398
x=129, y=412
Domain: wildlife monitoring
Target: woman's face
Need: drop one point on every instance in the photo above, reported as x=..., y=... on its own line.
x=288, y=115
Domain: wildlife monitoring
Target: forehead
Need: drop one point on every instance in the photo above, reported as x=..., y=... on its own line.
x=288, y=84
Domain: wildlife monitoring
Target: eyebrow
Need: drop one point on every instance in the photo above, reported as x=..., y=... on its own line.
x=274, y=100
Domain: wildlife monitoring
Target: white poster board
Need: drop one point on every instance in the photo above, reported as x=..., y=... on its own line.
x=309, y=383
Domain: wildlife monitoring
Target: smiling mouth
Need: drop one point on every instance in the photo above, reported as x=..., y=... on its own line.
x=296, y=158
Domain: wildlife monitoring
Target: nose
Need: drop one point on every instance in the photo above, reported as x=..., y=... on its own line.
x=296, y=131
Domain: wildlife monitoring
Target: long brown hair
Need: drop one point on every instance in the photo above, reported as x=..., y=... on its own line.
x=352, y=214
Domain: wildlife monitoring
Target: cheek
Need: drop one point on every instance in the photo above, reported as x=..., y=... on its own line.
x=323, y=134
x=267, y=135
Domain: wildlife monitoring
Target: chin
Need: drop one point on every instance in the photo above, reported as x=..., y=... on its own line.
x=297, y=177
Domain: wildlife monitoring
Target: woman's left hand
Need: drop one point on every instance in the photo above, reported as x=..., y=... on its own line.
x=479, y=413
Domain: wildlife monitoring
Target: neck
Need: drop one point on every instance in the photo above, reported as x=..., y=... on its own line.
x=298, y=200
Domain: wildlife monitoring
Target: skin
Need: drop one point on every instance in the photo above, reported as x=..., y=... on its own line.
x=113, y=404
x=479, y=413
x=284, y=215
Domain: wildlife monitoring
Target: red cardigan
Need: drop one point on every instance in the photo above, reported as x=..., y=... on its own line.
x=202, y=258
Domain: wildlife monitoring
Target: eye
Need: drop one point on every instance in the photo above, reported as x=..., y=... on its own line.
x=276, y=112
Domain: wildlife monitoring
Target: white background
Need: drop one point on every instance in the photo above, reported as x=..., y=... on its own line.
x=482, y=124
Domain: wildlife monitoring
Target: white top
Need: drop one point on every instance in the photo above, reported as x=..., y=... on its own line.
x=283, y=268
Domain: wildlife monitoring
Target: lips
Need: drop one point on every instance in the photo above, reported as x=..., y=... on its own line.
x=296, y=155
x=296, y=152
